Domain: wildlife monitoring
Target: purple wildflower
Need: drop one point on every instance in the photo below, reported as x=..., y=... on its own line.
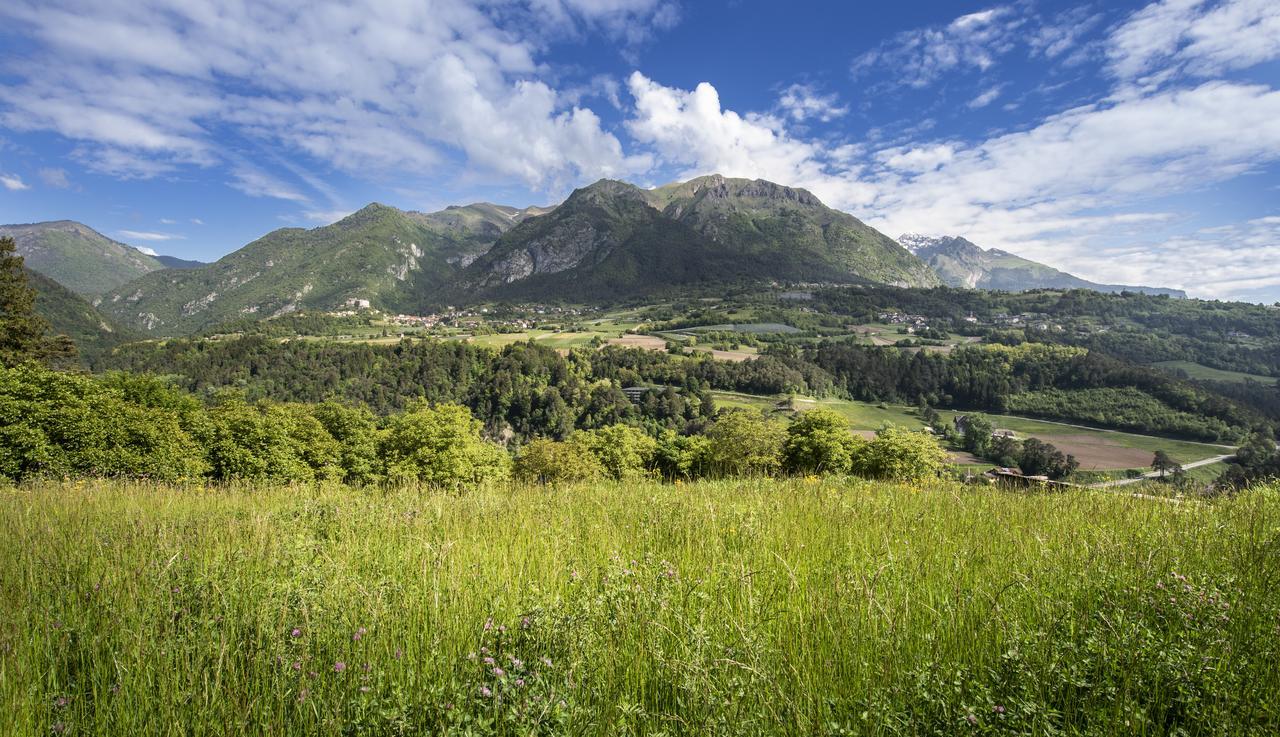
x=399, y=653
x=339, y=666
x=61, y=702
x=972, y=719
x=488, y=624
x=485, y=692
x=524, y=623
x=998, y=709
x=295, y=633
x=520, y=683
x=499, y=672
x=489, y=661
x=297, y=665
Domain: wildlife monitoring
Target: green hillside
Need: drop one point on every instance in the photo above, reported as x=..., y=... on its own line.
x=69, y=314
x=613, y=239
x=391, y=258
x=79, y=257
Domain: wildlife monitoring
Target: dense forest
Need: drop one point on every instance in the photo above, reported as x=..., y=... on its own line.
x=527, y=389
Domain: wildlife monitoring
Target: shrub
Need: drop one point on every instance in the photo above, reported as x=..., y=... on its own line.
x=623, y=452
x=546, y=461
x=744, y=443
x=440, y=445
x=900, y=455
x=819, y=441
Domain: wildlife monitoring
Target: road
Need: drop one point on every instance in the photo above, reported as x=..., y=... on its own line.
x=1156, y=474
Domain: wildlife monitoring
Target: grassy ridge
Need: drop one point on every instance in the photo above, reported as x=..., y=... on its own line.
x=763, y=607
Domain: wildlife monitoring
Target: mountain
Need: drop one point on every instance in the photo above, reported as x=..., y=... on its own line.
x=960, y=263
x=392, y=258
x=70, y=314
x=79, y=257
x=173, y=262
x=613, y=239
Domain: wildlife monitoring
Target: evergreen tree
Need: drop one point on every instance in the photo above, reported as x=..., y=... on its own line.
x=21, y=329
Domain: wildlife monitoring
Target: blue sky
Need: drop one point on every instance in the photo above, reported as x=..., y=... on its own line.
x=1125, y=142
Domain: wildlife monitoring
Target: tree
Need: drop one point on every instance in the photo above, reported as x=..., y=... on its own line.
x=900, y=455
x=623, y=452
x=22, y=331
x=545, y=461
x=744, y=443
x=682, y=456
x=1163, y=464
x=818, y=442
x=1039, y=458
x=976, y=431
x=440, y=445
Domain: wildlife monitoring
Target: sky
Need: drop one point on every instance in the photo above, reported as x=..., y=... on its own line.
x=1124, y=142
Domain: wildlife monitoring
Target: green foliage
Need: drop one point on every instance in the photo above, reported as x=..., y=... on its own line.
x=900, y=455
x=683, y=457
x=440, y=445
x=623, y=452
x=1038, y=458
x=356, y=432
x=59, y=425
x=546, y=461
x=744, y=443
x=266, y=441
x=819, y=442
x=22, y=330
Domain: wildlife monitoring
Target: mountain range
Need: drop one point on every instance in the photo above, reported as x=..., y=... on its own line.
x=960, y=263
x=607, y=241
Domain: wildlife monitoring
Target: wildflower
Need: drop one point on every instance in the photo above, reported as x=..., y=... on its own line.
x=302, y=695
x=61, y=702
x=972, y=719
x=499, y=672
x=58, y=728
x=998, y=709
x=524, y=623
x=546, y=661
x=489, y=661
x=488, y=624
x=364, y=689
x=339, y=667
x=297, y=665
x=485, y=692
x=519, y=683
x=366, y=667
x=399, y=654
x=295, y=633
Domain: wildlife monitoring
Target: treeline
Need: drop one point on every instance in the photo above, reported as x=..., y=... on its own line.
x=528, y=390
x=65, y=425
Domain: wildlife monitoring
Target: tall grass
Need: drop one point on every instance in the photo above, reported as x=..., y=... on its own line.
x=734, y=608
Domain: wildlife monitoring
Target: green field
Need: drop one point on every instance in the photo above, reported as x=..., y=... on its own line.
x=1197, y=371
x=1098, y=449
x=728, y=608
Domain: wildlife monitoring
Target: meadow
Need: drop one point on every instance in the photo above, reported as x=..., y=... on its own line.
x=1097, y=450
x=754, y=607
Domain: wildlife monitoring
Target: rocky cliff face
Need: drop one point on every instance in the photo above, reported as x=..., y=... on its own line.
x=960, y=263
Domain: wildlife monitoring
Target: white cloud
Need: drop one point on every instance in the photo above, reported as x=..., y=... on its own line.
x=986, y=98
x=148, y=251
x=55, y=177
x=257, y=183
x=13, y=182
x=803, y=102
x=326, y=216
x=1195, y=37
x=168, y=221
x=1070, y=186
x=197, y=221
x=143, y=235
x=147, y=87
x=918, y=57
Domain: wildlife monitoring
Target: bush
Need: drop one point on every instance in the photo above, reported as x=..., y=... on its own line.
x=819, y=441
x=550, y=462
x=623, y=452
x=900, y=455
x=440, y=445
x=744, y=443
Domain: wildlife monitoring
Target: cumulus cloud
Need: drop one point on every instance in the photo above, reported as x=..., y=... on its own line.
x=13, y=182
x=1065, y=188
x=143, y=235
x=1197, y=37
x=146, y=87
x=148, y=251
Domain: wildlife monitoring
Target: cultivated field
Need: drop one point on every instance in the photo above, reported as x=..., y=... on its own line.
x=1097, y=450
x=1197, y=371
x=730, y=608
